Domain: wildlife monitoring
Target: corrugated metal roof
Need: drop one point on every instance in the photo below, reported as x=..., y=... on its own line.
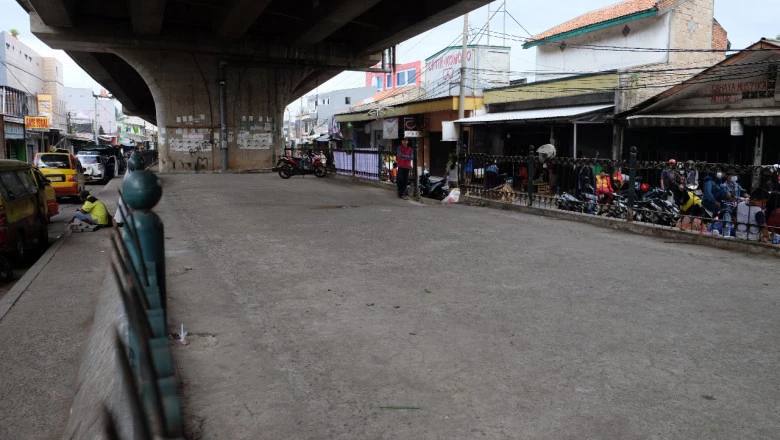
x=539, y=113
x=730, y=113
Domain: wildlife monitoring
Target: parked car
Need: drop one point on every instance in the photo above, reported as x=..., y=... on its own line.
x=64, y=172
x=112, y=160
x=22, y=221
x=49, y=202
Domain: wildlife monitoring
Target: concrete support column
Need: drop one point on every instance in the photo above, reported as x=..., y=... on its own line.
x=185, y=88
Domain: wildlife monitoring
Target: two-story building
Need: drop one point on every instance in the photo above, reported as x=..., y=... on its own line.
x=596, y=65
x=316, y=111
x=402, y=75
x=30, y=86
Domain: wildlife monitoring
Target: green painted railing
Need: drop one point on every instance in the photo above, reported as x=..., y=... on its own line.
x=145, y=361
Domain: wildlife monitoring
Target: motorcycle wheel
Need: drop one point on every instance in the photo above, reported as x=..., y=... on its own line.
x=320, y=171
x=285, y=172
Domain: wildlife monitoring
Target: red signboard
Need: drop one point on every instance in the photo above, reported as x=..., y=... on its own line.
x=36, y=123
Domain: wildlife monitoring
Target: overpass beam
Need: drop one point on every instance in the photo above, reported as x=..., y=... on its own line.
x=327, y=19
x=147, y=16
x=238, y=17
x=55, y=12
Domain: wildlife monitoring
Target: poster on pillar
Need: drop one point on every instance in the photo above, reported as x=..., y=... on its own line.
x=390, y=128
x=255, y=141
x=190, y=140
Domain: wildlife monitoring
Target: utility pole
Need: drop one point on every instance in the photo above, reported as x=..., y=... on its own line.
x=488, y=26
x=95, y=124
x=504, y=38
x=462, y=100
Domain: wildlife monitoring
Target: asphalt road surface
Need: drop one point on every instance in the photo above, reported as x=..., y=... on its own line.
x=320, y=310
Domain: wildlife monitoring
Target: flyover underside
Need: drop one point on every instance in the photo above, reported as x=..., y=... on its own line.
x=161, y=59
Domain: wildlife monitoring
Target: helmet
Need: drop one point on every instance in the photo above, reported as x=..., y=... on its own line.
x=546, y=151
x=672, y=161
x=645, y=187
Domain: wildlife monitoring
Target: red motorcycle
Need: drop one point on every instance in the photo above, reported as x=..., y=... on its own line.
x=294, y=166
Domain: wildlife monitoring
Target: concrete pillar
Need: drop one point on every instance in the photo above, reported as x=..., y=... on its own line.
x=186, y=95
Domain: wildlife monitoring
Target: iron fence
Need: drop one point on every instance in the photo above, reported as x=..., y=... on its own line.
x=364, y=163
x=700, y=197
x=145, y=363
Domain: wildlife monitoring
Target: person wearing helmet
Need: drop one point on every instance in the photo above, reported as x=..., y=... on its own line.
x=712, y=194
x=670, y=176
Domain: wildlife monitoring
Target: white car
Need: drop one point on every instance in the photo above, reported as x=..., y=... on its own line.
x=94, y=166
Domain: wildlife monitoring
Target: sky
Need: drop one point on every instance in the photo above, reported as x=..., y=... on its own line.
x=745, y=20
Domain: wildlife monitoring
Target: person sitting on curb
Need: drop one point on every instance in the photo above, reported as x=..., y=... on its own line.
x=93, y=212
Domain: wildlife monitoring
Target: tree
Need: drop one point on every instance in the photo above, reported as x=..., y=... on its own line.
x=15, y=33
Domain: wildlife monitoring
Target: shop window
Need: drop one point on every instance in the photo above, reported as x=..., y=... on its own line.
x=389, y=81
x=347, y=100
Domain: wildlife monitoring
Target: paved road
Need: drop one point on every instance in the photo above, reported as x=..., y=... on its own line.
x=58, y=225
x=312, y=321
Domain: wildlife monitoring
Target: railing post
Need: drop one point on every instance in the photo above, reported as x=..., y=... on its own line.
x=354, y=154
x=141, y=191
x=631, y=185
x=531, y=163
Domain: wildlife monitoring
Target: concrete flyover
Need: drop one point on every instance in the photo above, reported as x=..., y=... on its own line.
x=168, y=61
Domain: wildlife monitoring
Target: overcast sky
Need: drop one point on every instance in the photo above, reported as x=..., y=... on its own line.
x=745, y=20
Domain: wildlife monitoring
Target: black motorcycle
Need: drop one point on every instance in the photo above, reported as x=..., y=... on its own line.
x=433, y=189
x=586, y=201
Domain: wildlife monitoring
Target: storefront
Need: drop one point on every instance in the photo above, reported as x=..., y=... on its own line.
x=729, y=113
x=14, y=144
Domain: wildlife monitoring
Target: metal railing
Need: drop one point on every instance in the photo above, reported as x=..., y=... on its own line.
x=144, y=359
x=568, y=184
x=363, y=163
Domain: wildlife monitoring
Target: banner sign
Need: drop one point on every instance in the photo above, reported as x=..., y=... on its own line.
x=38, y=123
x=45, y=107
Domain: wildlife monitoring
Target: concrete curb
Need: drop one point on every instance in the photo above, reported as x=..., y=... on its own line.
x=636, y=228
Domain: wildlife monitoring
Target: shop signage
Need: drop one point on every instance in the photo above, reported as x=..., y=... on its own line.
x=413, y=133
x=45, y=106
x=14, y=131
x=39, y=123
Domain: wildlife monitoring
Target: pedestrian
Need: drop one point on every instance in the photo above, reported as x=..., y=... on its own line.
x=93, y=211
x=404, y=156
x=751, y=219
x=670, y=176
x=394, y=172
x=773, y=212
x=712, y=194
x=604, y=190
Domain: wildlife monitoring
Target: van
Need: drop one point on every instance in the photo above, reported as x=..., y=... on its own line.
x=22, y=221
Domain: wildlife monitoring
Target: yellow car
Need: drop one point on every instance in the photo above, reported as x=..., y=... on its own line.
x=22, y=222
x=64, y=172
x=48, y=204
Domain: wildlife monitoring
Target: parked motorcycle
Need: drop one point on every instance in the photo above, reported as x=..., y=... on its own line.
x=434, y=189
x=586, y=201
x=300, y=166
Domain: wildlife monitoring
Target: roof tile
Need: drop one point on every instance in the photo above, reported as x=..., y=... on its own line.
x=619, y=10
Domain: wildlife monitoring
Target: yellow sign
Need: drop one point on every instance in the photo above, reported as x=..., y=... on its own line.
x=45, y=107
x=36, y=123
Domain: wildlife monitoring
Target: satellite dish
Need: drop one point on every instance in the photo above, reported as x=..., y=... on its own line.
x=545, y=152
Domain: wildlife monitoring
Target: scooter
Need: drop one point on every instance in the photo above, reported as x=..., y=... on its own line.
x=300, y=166
x=586, y=202
x=432, y=189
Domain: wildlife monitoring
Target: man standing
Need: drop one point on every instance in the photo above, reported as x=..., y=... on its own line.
x=404, y=156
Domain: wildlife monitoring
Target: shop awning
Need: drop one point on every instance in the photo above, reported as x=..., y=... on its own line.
x=537, y=114
x=769, y=116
